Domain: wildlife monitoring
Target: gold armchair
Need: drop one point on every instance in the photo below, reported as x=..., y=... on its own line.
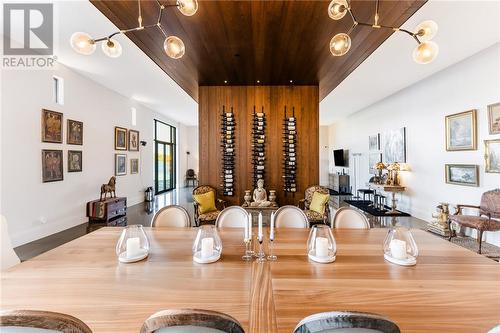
x=211, y=215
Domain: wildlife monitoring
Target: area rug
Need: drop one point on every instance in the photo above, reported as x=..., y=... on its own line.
x=488, y=250
x=365, y=207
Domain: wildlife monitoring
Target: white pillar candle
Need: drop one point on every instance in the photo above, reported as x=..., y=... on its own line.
x=321, y=247
x=250, y=225
x=271, y=232
x=133, y=247
x=260, y=234
x=207, y=247
x=398, y=249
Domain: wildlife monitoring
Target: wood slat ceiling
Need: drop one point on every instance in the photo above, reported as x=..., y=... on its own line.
x=270, y=41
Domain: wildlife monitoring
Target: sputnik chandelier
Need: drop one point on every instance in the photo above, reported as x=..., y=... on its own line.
x=83, y=43
x=425, y=51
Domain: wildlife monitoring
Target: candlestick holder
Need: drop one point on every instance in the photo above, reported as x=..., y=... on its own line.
x=248, y=252
x=261, y=256
x=271, y=256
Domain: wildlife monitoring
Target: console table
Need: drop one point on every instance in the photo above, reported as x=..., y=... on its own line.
x=393, y=189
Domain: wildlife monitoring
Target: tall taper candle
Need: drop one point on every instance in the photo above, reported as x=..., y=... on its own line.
x=250, y=225
x=247, y=226
x=260, y=234
x=271, y=232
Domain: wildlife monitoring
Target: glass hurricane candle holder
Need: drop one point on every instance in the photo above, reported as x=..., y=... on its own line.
x=133, y=244
x=400, y=247
x=321, y=246
x=207, y=246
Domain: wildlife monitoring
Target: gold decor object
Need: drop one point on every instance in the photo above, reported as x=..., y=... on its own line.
x=393, y=169
x=439, y=223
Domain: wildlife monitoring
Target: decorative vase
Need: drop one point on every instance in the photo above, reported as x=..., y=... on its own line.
x=247, y=198
x=272, y=196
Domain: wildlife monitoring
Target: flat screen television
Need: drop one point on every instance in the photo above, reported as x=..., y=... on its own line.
x=339, y=157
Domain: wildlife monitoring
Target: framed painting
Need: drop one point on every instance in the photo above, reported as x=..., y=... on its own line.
x=492, y=155
x=120, y=164
x=374, y=158
x=134, y=165
x=52, y=165
x=52, y=128
x=120, y=138
x=395, y=146
x=494, y=118
x=75, y=161
x=461, y=131
x=374, y=142
x=75, y=132
x=133, y=140
x=462, y=174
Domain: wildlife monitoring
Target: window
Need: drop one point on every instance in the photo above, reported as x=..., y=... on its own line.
x=58, y=87
x=165, y=157
x=134, y=116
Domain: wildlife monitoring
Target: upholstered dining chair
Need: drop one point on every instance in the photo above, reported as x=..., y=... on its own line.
x=344, y=321
x=232, y=217
x=171, y=216
x=488, y=219
x=30, y=321
x=191, y=321
x=315, y=204
x=206, y=205
x=350, y=218
x=290, y=217
x=8, y=256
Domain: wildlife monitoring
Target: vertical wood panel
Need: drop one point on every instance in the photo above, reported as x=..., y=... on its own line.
x=305, y=99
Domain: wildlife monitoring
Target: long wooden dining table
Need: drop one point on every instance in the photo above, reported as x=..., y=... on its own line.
x=451, y=289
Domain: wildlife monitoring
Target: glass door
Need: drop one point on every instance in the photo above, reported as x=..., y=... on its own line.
x=165, y=158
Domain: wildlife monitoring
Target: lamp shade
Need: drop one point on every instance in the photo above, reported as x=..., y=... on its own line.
x=187, y=7
x=340, y=44
x=82, y=43
x=426, y=30
x=112, y=48
x=174, y=47
x=425, y=52
x=337, y=9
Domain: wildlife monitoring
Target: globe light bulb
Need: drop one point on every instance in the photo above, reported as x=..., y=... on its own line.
x=425, y=52
x=82, y=43
x=112, y=48
x=187, y=7
x=337, y=9
x=426, y=30
x=174, y=47
x=340, y=44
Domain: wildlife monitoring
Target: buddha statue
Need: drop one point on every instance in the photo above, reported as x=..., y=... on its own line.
x=260, y=196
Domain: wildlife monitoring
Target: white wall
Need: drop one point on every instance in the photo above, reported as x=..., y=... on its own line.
x=421, y=108
x=34, y=209
x=189, y=136
x=323, y=155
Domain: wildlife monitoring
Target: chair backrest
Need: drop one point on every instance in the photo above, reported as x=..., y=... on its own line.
x=40, y=321
x=342, y=321
x=290, y=217
x=191, y=320
x=310, y=191
x=8, y=256
x=232, y=217
x=171, y=216
x=350, y=218
x=204, y=189
x=190, y=173
x=490, y=203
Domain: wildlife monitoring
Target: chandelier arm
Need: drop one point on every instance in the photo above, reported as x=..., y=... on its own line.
x=376, y=13
x=352, y=15
x=162, y=30
x=415, y=36
x=139, y=18
x=352, y=28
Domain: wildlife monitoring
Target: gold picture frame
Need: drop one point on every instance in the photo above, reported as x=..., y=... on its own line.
x=134, y=166
x=121, y=138
x=74, y=132
x=462, y=174
x=494, y=118
x=492, y=155
x=52, y=126
x=461, y=131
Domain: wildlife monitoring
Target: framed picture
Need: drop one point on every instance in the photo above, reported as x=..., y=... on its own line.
x=52, y=165
x=133, y=140
x=120, y=138
x=395, y=146
x=75, y=161
x=492, y=155
x=75, y=132
x=134, y=165
x=120, y=164
x=373, y=158
x=52, y=126
x=494, y=118
x=461, y=131
x=374, y=142
x=462, y=174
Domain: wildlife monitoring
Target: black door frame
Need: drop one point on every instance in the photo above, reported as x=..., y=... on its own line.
x=173, y=169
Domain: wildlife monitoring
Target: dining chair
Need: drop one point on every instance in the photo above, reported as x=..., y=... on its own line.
x=232, y=217
x=346, y=321
x=206, y=204
x=171, y=216
x=315, y=204
x=31, y=321
x=9, y=257
x=290, y=217
x=350, y=218
x=191, y=321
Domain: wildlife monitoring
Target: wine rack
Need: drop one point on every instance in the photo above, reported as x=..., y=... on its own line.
x=258, y=145
x=290, y=152
x=228, y=126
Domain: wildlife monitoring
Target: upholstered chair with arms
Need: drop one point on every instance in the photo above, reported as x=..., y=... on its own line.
x=206, y=205
x=488, y=219
x=232, y=217
x=30, y=321
x=290, y=217
x=8, y=256
x=315, y=204
x=350, y=218
x=171, y=216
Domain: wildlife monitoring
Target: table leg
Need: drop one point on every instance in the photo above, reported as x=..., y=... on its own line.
x=393, y=206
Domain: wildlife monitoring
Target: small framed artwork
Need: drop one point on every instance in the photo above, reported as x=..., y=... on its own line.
x=494, y=118
x=374, y=142
x=374, y=158
x=461, y=131
x=75, y=132
x=134, y=165
x=75, y=161
x=120, y=138
x=462, y=174
x=52, y=165
x=52, y=126
x=492, y=155
x=120, y=164
x=133, y=140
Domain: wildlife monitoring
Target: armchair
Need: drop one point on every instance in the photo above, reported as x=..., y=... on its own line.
x=488, y=219
x=204, y=217
x=314, y=216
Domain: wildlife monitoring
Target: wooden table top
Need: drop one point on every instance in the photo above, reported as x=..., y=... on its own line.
x=450, y=289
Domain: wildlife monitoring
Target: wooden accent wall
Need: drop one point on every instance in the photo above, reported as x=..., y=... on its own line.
x=305, y=99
